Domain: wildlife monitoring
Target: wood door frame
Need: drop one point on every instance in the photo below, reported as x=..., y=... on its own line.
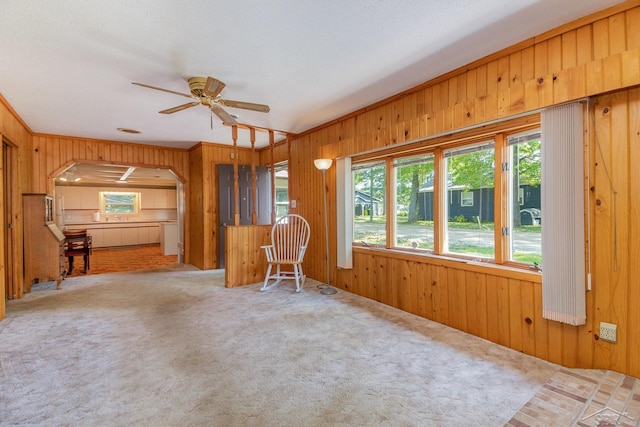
x=10, y=249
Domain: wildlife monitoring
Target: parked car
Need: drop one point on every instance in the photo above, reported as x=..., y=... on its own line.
x=530, y=216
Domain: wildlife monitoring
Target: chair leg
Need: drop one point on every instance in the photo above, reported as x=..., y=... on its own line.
x=302, y=276
x=70, y=265
x=266, y=279
x=296, y=273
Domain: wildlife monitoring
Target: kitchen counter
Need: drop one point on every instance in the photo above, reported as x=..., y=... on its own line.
x=121, y=233
x=92, y=224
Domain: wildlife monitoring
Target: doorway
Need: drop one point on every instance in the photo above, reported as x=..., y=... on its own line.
x=124, y=208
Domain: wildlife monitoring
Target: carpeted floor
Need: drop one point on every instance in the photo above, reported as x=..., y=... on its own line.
x=123, y=258
x=171, y=346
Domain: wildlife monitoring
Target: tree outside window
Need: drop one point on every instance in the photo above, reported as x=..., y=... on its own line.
x=369, y=182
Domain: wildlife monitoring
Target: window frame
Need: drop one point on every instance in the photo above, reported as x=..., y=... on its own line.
x=507, y=249
x=496, y=134
x=465, y=203
x=392, y=165
x=388, y=194
x=136, y=204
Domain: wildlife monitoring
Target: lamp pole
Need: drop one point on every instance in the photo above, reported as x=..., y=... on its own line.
x=323, y=165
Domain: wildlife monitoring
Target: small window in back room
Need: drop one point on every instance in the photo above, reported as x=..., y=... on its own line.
x=118, y=202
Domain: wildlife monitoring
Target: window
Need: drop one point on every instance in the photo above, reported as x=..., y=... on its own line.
x=466, y=198
x=116, y=202
x=369, y=216
x=282, y=189
x=469, y=227
x=474, y=198
x=520, y=196
x=414, y=202
x=524, y=203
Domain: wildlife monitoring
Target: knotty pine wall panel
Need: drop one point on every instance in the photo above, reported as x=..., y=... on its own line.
x=245, y=261
x=203, y=202
x=51, y=153
x=597, y=57
x=18, y=137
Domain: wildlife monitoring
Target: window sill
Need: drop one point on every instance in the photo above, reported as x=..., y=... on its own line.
x=485, y=267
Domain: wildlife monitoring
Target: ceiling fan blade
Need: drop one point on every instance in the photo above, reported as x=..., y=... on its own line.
x=163, y=90
x=213, y=87
x=179, y=108
x=245, y=105
x=223, y=115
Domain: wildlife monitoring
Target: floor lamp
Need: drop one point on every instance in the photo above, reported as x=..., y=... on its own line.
x=323, y=165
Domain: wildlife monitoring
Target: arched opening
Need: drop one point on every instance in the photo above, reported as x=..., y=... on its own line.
x=134, y=214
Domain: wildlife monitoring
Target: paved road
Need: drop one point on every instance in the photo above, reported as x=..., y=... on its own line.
x=522, y=242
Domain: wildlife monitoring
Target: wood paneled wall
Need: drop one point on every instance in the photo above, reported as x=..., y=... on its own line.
x=245, y=261
x=597, y=56
x=17, y=136
x=50, y=153
x=203, y=202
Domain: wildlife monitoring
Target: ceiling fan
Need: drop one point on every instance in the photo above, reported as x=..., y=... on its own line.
x=206, y=91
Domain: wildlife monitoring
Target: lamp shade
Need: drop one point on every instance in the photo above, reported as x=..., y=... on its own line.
x=323, y=164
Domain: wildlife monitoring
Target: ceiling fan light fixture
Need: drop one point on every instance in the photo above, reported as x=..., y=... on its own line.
x=206, y=91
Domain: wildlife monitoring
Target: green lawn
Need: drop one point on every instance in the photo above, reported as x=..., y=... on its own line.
x=482, y=251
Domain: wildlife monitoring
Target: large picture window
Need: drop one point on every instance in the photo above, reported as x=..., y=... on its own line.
x=477, y=198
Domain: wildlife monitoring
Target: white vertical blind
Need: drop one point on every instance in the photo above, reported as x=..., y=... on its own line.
x=563, y=244
x=344, y=210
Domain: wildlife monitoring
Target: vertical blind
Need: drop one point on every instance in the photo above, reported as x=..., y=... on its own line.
x=563, y=243
x=344, y=210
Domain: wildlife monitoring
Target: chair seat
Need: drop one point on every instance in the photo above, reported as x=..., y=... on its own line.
x=285, y=262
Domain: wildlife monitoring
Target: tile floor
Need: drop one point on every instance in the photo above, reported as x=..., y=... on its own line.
x=583, y=397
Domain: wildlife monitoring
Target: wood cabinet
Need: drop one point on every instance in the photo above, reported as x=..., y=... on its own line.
x=127, y=234
x=43, y=241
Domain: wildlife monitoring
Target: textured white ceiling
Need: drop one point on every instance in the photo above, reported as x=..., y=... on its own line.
x=66, y=66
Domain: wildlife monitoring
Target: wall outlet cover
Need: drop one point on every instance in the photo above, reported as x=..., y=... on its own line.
x=608, y=332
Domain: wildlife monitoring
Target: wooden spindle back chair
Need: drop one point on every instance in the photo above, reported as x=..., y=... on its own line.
x=289, y=240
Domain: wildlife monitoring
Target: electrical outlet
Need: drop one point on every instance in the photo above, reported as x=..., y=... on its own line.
x=608, y=332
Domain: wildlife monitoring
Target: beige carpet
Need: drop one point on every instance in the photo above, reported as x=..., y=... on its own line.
x=172, y=346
